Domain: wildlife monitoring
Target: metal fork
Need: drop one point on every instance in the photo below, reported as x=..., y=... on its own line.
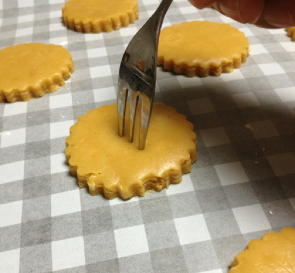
x=137, y=74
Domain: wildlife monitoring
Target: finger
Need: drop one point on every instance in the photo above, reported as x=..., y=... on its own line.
x=200, y=4
x=262, y=13
x=244, y=11
x=278, y=13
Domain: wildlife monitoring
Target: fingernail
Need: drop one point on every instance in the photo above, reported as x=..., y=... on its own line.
x=194, y=4
x=250, y=10
x=229, y=8
x=200, y=4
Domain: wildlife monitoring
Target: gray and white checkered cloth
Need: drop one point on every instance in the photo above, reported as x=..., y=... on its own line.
x=242, y=185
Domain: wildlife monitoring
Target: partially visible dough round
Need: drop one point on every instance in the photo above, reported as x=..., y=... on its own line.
x=99, y=15
x=274, y=253
x=291, y=33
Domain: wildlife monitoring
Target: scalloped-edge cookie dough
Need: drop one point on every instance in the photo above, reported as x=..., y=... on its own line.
x=110, y=165
x=274, y=253
x=95, y=16
x=291, y=33
x=31, y=70
x=202, y=48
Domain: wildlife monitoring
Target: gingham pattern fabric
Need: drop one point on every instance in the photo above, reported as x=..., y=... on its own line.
x=242, y=185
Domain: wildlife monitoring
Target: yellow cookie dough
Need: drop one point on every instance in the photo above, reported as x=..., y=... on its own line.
x=31, y=70
x=202, y=48
x=274, y=253
x=291, y=33
x=109, y=164
x=99, y=15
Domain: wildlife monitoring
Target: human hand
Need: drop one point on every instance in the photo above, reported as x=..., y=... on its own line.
x=262, y=13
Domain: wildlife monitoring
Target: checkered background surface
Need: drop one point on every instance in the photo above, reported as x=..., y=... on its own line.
x=242, y=185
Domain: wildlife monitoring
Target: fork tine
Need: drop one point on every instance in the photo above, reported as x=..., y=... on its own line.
x=121, y=104
x=133, y=106
x=146, y=110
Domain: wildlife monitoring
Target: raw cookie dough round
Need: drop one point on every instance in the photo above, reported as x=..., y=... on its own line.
x=32, y=70
x=274, y=253
x=109, y=164
x=99, y=15
x=202, y=48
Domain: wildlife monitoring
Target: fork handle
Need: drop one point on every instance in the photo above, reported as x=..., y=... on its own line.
x=158, y=16
x=161, y=10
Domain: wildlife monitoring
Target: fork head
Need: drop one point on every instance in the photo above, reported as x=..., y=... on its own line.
x=137, y=74
x=138, y=85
